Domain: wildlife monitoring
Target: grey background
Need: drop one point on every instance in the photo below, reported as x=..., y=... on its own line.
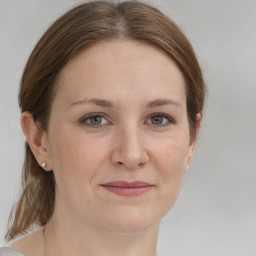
x=216, y=211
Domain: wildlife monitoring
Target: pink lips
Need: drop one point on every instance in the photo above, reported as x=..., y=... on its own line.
x=124, y=188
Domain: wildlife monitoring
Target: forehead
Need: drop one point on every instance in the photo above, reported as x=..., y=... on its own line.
x=114, y=68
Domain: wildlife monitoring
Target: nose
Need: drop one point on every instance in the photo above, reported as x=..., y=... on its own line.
x=129, y=150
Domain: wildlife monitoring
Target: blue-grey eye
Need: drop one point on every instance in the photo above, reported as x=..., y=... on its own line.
x=160, y=120
x=157, y=120
x=95, y=120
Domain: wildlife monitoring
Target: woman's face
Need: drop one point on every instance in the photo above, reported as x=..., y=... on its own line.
x=119, y=116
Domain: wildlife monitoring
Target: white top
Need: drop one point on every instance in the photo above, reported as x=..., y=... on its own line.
x=6, y=251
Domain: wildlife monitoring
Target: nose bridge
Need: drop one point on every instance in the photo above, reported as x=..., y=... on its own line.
x=131, y=140
x=130, y=150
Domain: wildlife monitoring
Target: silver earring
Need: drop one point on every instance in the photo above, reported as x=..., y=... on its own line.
x=44, y=164
x=187, y=167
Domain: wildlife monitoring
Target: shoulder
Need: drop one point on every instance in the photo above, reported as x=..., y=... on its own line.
x=28, y=245
x=5, y=251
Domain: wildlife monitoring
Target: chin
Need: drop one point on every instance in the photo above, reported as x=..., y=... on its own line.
x=131, y=220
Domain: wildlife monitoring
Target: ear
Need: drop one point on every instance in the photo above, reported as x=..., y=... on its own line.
x=37, y=139
x=194, y=140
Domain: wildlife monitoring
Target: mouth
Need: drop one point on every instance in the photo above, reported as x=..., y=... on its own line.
x=123, y=188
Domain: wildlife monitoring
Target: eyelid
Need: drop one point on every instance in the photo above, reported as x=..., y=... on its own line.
x=84, y=118
x=168, y=117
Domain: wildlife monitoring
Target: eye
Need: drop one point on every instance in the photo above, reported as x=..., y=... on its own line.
x=160, y=120
x=94, y=120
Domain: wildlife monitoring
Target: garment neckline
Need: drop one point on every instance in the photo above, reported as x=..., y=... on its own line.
x=12, y=250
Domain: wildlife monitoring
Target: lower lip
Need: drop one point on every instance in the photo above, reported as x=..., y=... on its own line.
x=128, y=191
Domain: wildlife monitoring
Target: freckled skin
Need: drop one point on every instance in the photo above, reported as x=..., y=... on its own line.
x=127, y=147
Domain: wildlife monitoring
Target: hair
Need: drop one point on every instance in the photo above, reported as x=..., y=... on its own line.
x=80, y=28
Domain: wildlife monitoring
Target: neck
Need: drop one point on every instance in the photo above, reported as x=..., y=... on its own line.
x=66, y=238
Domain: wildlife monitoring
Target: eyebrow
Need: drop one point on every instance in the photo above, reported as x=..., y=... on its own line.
x=110, y=104
x=161, y=102
x=98, y=102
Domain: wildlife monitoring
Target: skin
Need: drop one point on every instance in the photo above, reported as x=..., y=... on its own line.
x=132, y=144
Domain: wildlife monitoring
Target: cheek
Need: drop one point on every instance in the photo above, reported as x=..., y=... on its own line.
x=75, y=159
x=171, y=155
x=171, y=164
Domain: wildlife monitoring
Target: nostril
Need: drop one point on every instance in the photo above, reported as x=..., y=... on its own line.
x=139, y=165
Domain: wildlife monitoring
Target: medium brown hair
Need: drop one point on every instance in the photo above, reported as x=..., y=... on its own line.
x=81, y=27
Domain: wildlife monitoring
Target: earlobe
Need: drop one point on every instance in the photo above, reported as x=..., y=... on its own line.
x=36, y=138
x=194, y=140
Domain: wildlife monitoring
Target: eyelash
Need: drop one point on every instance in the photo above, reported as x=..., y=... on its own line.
x=169, y=119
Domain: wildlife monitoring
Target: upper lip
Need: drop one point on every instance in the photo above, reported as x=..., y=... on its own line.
x=125, y=184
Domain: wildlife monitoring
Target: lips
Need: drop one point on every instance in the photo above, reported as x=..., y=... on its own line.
x=124, y=188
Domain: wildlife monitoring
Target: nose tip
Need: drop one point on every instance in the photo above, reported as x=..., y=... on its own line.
x=131, y=166
x=130, y=152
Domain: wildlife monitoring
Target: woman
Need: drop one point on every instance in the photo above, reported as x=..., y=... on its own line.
x=111, y=100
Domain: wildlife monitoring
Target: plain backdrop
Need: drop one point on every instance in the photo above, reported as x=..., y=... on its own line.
x=215, y=213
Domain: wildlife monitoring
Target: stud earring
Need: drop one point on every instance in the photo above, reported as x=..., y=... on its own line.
x=44, y=164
